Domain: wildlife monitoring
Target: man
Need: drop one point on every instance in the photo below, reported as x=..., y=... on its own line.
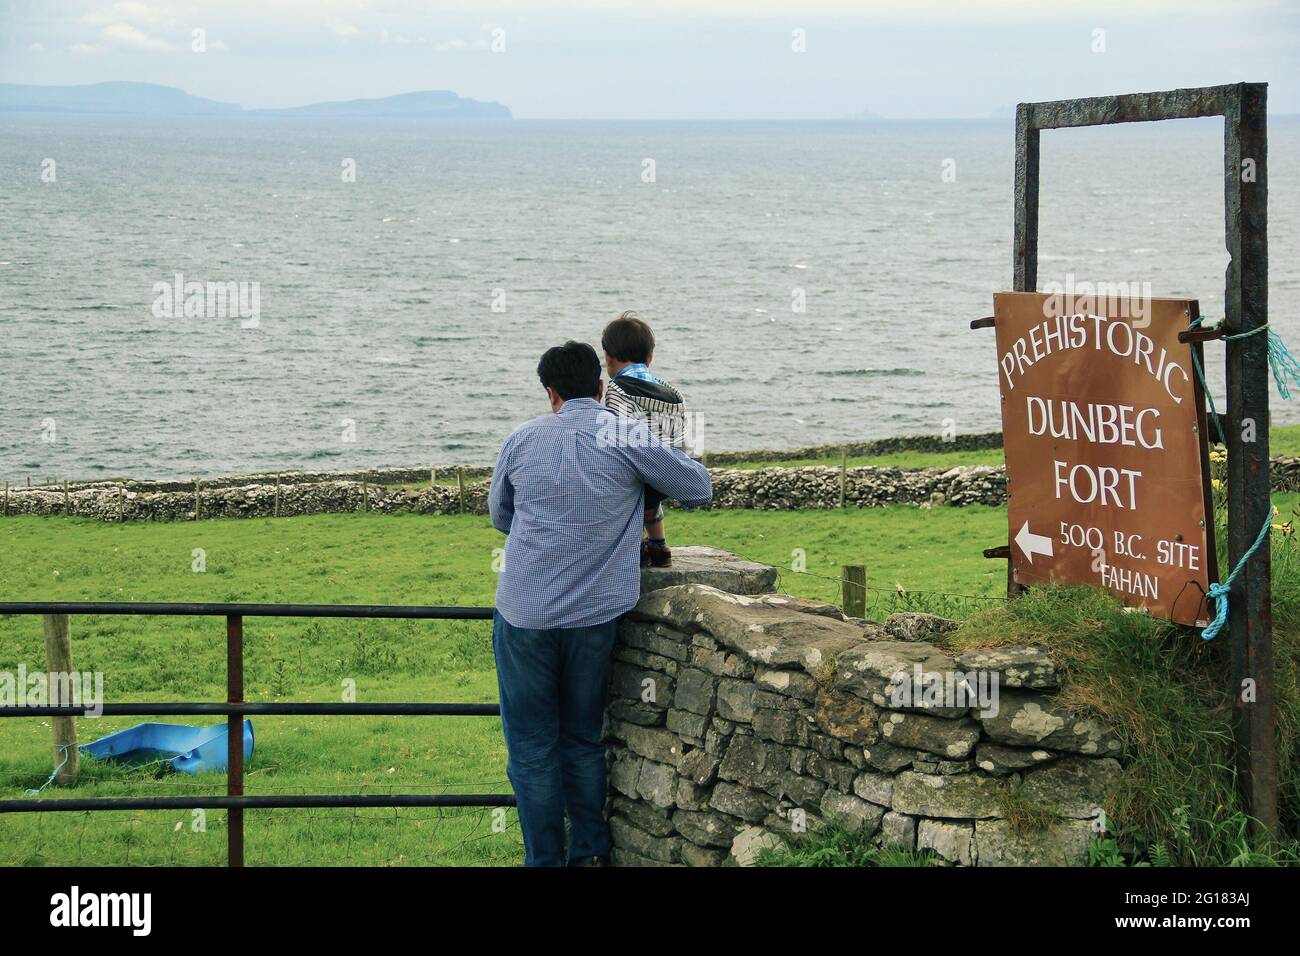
x=568, y=490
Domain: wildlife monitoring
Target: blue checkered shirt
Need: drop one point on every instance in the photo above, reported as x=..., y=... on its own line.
x=568, y=490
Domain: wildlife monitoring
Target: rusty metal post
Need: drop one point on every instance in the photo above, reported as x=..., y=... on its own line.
x=1025, y=240
x=844, y=474
x=235, y=739
x=1250, y=622
x=1024, y=252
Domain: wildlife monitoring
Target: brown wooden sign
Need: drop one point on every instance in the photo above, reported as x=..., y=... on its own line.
x=1103, y=422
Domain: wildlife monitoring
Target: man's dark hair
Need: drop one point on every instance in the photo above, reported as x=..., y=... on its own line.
x=572, y=369
x=628, y=339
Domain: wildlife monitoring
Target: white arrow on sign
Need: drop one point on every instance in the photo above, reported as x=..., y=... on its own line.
x=1033, y=544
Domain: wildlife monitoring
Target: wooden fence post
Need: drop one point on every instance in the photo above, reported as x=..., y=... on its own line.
x=460, y=485
x=58, y=665
x=67, y=500
x=197, y=502
x=844, y=475
x=365, y=496
x=853, y=584
x=277, y=496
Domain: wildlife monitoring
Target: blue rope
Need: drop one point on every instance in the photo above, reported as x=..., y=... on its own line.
x=1200, y=374
x=37, y=791
x=1219, y=592
x=1286, y=370
x=1284, y=366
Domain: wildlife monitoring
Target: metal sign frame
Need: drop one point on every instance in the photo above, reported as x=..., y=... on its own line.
x=1243, y=107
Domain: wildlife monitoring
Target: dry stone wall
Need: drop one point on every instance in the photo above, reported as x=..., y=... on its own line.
x=774, y=489
x=110, y=503
x=763, y=489
x=737, y=722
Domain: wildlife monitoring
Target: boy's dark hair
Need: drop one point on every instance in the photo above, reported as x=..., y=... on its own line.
x=572, y=369
x=628, y=339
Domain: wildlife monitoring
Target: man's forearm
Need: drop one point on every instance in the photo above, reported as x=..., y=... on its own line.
x=681, y=478
x=703, y=488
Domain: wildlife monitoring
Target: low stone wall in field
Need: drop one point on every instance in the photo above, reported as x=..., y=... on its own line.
x=774, y=489
x=111, y=503
x=740, y=722
x=762, y=489
x=1284, y=473
x=788, y=489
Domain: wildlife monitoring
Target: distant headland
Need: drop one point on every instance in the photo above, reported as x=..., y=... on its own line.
x=151, y=99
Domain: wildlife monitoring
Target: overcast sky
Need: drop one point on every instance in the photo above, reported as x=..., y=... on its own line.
x=663, y=59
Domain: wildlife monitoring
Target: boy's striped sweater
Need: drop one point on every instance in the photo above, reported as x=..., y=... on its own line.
x=657, y=403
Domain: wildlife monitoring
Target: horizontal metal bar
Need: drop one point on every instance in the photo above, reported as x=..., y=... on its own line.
x=274, y=802
x=1131, y=107
x=170, y=708
x=1201, y=335
x=459, y=613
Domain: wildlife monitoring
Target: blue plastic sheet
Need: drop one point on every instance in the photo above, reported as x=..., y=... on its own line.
x=190, y=749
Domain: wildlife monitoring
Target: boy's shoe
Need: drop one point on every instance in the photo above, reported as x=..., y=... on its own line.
x=656, y=556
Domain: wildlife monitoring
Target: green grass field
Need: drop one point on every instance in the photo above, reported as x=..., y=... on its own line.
x=915, y=557
x=897, y=459
x=354, y=559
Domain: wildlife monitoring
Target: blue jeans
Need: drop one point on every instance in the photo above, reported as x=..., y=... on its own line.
x=553, y=685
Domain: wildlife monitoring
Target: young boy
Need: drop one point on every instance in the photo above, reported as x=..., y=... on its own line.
x=634, y=393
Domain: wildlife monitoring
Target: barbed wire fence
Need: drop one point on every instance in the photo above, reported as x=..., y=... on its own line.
x=884, y=601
